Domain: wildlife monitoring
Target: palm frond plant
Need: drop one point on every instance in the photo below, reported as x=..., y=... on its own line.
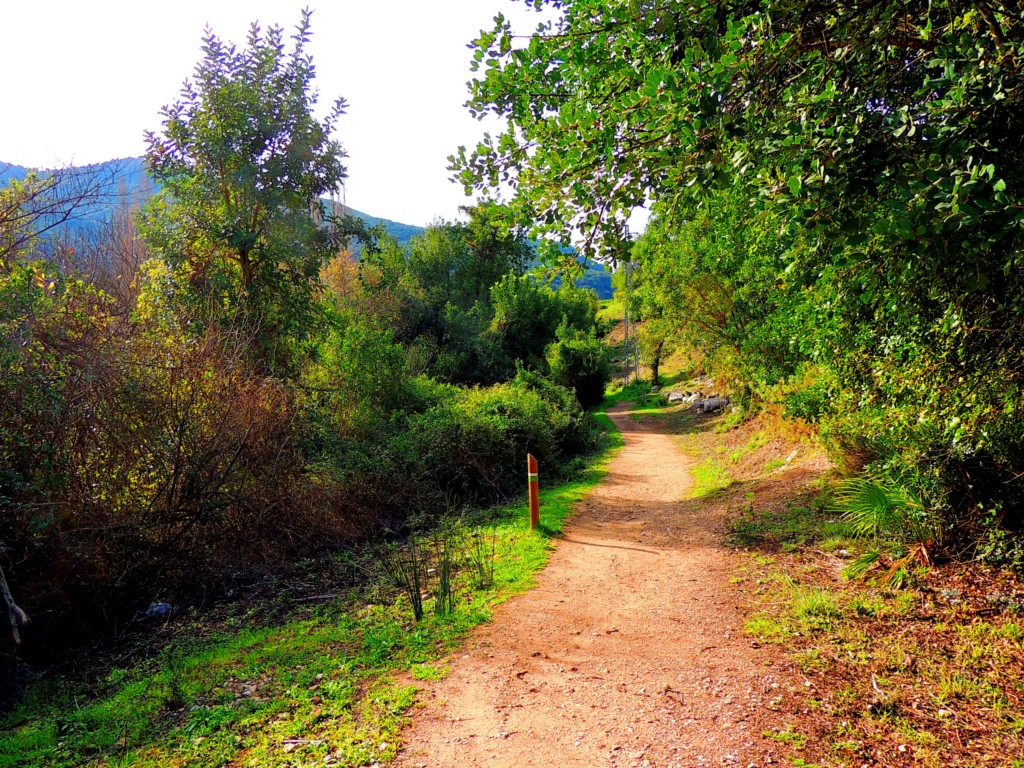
x=894, y=518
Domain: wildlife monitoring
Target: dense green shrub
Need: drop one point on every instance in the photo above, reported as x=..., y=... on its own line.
x=834, y=185
x=476, y=442
x=357, y=378
x=257, y=393
x=580, y=362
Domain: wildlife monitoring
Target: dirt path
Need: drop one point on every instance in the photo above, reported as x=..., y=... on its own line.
x=628, y=653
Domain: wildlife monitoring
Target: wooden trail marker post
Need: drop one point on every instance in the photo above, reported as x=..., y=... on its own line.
x=533, y=480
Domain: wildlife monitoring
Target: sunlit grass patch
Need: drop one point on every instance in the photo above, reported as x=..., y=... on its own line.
x=610, y=310
x=861, y=604
x=788, y=735
x=788, y=527
x=429, y=671
x=758, y=440
x=811, y=660
x=710, y=477
x=815, y=608
x=767, y=629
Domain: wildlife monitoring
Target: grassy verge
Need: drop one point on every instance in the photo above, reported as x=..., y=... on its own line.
x=610, y=311
x=638, y=392
x=317, y=688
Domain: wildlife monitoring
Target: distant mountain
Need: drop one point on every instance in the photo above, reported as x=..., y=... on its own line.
x=403, y=233
x=9, y=172
x=123, y=182
x=597, y=279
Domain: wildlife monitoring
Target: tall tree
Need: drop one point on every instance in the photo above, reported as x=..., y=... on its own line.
x=881, y=139
x=817, y=105
x=244, y=164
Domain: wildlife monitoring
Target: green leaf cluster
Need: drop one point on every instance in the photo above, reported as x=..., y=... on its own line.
x=243, y=164
x=837, y=194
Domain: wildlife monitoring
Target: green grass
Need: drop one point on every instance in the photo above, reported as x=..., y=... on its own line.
x=321, y=686
x=758, y=440
x=610, y=311
x=767, y=629
x=882, y=677
x=788, y=735
x=710, y=477
x=634, y=392
x=794, y=525
x=816, y=608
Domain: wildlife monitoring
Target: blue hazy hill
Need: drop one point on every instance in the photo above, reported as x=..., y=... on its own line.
x=123, y=183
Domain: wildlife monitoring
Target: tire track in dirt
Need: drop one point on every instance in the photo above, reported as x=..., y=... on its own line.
x=629, y=652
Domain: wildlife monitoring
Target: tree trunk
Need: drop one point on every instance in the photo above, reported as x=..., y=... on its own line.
x=656, y=363
x=15, y=615
x=247, y=270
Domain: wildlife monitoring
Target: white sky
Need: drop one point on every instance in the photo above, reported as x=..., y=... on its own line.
x=82, y=80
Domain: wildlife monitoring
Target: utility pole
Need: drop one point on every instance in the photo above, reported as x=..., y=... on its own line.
x=630, y=348
x=627, y=275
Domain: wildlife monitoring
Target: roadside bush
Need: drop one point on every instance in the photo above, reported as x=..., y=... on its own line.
x=156, y=464
x=574, y=430
x=476, y=442
x=357, y=378
x=146, y=454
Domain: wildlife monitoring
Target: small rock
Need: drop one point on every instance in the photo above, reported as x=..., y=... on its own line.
x=158, y=609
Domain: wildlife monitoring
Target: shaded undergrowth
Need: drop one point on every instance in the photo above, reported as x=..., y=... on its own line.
x=317, y=685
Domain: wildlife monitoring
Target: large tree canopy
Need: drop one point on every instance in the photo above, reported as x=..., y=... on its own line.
x=244, y=163
x=618, y=102
x=873, y=145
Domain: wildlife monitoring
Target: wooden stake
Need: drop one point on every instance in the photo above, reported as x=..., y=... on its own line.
x=533, y=480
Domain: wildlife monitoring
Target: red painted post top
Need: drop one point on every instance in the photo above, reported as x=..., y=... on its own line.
x=533, y=481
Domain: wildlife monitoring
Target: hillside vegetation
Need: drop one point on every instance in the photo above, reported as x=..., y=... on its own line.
x=220, y=389
x=216, y=386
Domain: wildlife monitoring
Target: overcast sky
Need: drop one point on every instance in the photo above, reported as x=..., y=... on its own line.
x=83, y=79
